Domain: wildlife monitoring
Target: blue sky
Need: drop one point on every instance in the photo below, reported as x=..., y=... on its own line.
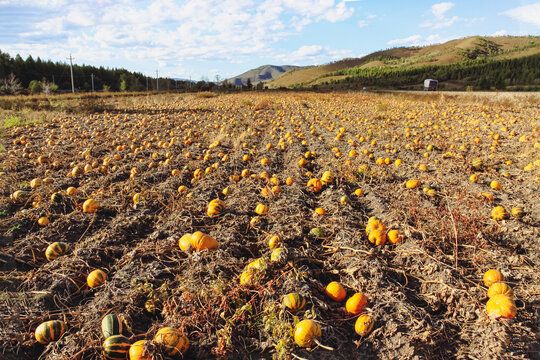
x=209, y=38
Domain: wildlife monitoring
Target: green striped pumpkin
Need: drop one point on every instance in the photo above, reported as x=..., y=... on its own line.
x=57, y=197
x=294, y=301
x=171, y=341
x=56, y=249
x=50, y=331
x=96, y=278
x=116, y=347
x=111, y=325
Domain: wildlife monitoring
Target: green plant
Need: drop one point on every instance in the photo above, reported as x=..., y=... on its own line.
x=12, y=121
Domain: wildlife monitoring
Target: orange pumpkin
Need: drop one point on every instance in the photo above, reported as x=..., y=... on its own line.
x=377, y=237
x=90, y=206
x=335, y=291
x=138, y=351
x=394, y=236
x=306, y=333
x=501, y=305
x=201, y=241
x=492, y=276
x=261, y=209
x=355, y=304
x=500, y=288
x=314, y=185
x=364, y=324
x=96, y=278
x=185, y=242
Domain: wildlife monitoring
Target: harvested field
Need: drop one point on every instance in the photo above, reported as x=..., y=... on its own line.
x=154, y=163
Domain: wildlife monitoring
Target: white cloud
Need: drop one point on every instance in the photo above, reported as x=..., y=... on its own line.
x=438, y=10
x=362, y=23
x=313, y=54
x=371, y=16
x=440, y=20
x=172, y=32
x=419, y=40
x=528, y=14
x=500, y=33
x=411, y=40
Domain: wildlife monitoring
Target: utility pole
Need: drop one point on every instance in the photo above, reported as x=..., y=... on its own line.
x=157, y=80
x=71, y=68
x=92, y=76
x=147, y=84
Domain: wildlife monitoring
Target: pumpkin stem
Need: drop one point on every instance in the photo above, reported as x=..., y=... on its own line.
x=323, y=346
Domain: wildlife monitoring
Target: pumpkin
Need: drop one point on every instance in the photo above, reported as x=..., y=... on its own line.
x=473, y=178
x=49, y=331
x=411, y=184
x=499, y=213
x=327, y=178
x=358, y=192
x=261, y=209
x=320, y=211
x=20, y=196
x=375, y=225
x=55, y=250
x=302, y=162
x=247, y=277
x=314, y=185
x=394, y=236
x=171, y=341
x=182, y=189
x=35, y=183
x=294, y=301
x=200, y=241
x=517, y=212
x=152, y=306
x=116, y=347
x=138, y=351
x=477, y=164
x=185, y=242
x=215, y=207
x=501, y=305
x=316, y=232
x=71, y=191
x=90, y=206
x=492, y=276
x=335, y=291
x=364, y=324
x=495, y=185
x=289, y=181
x=96, y=278
x=355, y=304
x=43, y=221
x=57, y=197
x=278, y=255
x=377, y=237
x=111, y=325
x=274, y=241
x=500, y=288
x=306, y=333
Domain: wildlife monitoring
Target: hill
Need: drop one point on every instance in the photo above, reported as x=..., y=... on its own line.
x=262, y=73
x=406, y=58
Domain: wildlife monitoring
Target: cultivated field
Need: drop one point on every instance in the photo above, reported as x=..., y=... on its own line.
x=153, y=164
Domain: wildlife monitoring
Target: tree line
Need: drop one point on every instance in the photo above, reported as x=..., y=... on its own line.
x=481, y=73
x=36, y=75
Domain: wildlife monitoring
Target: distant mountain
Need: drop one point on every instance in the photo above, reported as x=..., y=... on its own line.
x=404, y=59
x=262, y=73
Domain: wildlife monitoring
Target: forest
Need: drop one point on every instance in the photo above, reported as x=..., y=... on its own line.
x=481, y=74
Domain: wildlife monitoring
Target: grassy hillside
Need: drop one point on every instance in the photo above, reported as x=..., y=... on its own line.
x=262, y=73
x=452, y=52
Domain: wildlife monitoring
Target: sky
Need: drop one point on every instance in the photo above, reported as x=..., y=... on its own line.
x=218, y=39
